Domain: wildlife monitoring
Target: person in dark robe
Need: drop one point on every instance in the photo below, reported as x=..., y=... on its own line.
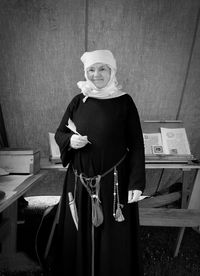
x=101, y=142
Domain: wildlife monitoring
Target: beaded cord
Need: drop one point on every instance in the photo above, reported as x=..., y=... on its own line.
x=117, y=211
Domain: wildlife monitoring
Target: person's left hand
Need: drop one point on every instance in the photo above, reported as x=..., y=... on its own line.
x=134, y=195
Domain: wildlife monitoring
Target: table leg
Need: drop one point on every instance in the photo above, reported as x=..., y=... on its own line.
x=190, y=203
x=186, y=189
x=184, y=203
x=9, y=243
x=179, y=240
x=194, y=202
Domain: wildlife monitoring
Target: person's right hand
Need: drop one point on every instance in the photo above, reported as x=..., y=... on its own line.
x=78, y=141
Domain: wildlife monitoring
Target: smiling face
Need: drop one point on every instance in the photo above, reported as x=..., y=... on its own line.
x=99, y=74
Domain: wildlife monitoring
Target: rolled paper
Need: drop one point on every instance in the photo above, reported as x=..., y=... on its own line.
x=72, y=127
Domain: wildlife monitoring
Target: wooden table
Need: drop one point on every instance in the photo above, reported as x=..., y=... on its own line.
x=14, y=186
x=189, y=213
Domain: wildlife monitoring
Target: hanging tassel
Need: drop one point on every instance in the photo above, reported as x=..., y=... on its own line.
x=119, y=216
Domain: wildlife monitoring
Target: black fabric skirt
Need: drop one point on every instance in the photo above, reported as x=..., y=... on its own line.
x=113, y=248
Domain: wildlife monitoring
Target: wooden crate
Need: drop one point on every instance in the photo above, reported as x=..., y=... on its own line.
x=20, y=161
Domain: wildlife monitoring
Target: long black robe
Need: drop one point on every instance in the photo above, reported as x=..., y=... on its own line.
x=112, y=126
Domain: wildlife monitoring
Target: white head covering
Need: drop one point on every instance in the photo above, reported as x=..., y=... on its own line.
x=87, y=87
x=98, y=56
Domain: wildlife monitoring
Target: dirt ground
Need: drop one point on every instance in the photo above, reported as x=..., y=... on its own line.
x=158, y=245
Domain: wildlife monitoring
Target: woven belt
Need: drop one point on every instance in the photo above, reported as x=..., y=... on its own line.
x=92, y=185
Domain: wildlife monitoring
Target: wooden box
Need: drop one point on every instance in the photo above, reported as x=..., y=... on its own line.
x=20, y=161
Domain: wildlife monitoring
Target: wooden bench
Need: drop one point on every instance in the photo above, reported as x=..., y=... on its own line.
x=169, y=217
